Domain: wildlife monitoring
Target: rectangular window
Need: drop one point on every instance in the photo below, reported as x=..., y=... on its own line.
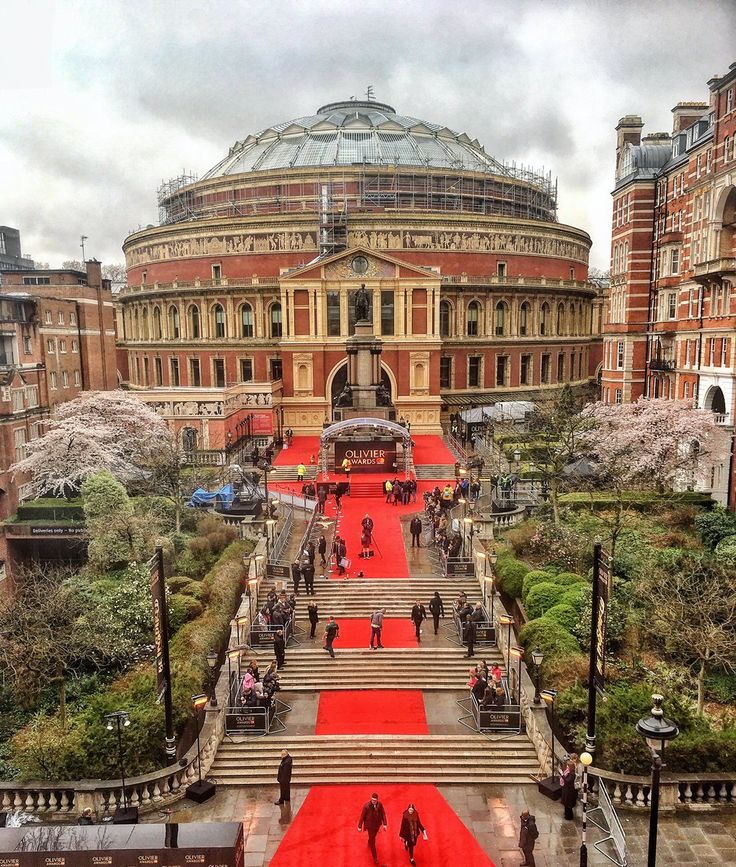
x=729, y=99
x=219, y=371
x=502, y=364
x=500, y=269
x=246, y=369
x=277, y=370
x=158, y=371
x=17, y=396
x=72, y=318
x=333, y=314
x=525, y=371
x=686, y=390
x=474, y=371
x=618, y=395
x=36, y=281
x=620, y=355
x=711, y=351
x=724, y=352
x=78, y=378
x=217, y=273
x=709, y=160
x=387, y=312
x=75, y=346
x=27, y=346
x=195, y=378
x=145, y=371
x=445, y=372
x=19, y=441
x=544, y=374
x=560, y=366
x=51, y=345
x=61, y=317
x=687, y=353
x=62, y=345
x=65, y=378
x=32, y=396
x=47, y=317
x=672, y=305
x=675, y=261
x=53, y=379
x=174, y=368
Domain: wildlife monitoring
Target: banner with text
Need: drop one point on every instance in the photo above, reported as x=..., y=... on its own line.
x=367, y=456
x=600, y=649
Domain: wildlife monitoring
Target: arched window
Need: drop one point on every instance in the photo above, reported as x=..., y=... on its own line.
x=157, y=323
x=560, y=319
x=276, y=324
x=581, y=319
x=500, y=319
x=136, y=332
x=218, y=321
x=144, y=324
x=193, y=316
x=524, y=319
x=246, y=320
x=473, y=317
x=544, y=319
x=445, y=319
x=174, y=330
x=571, y=318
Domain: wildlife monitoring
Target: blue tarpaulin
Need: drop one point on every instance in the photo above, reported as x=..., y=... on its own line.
x=222, y=497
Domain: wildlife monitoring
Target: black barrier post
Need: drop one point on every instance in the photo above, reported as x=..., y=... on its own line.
x=162, y=611
x=590, y=737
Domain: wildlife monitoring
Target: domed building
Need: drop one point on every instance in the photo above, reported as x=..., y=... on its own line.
x=241, y=301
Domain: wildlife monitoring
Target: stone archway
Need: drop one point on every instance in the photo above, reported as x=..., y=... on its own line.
x=715, y=400
x=339, y=377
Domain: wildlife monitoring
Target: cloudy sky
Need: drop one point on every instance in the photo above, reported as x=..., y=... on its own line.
x=101, y=101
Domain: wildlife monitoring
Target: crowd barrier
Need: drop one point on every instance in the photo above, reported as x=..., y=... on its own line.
x=494, y=718
x=257, y=721
x=485, y=631
x=263, y=636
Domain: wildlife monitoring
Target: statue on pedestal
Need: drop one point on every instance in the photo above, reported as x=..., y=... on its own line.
x=345, y=398
x=362, y=304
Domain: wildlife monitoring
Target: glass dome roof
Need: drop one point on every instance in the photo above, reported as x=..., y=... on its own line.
x=356, y=132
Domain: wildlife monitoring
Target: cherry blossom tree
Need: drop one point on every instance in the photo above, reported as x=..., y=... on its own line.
x=99, y=430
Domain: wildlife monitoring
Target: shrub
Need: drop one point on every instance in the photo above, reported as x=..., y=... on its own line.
x=531, y=579
x=563, y=614
x=574, y=596
x=549, y=636
x=726, y=551
x=511, y=574
x=182, y=584
x=182, y=608
x=616, y=621
x=715, y=525
x=560, y=546
x=541, y=597
x=569, y=578
x=520, y=537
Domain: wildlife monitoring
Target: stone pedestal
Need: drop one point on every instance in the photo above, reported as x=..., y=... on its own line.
x=364, y=373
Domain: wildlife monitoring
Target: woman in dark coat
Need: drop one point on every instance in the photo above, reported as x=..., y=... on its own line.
x=313, y=615
x=411, y=828
x=322, y=548
x=569, y=796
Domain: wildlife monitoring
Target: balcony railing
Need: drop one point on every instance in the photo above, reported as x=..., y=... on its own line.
x=721, y=418
x=715, y=267
x=662, y=364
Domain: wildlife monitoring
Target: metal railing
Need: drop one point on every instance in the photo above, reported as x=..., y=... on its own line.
x=282, y=540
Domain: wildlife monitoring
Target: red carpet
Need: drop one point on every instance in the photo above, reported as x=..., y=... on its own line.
x=324, y=831
x=431, y=450
x=371, y=712
x=356, y=632
x=299, y=451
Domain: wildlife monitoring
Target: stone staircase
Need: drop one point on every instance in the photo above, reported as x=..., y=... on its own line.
x=319, y=759
x=442, y=472
x=289, y=474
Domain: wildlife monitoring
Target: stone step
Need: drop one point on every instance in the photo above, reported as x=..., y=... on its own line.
x=428, y=472
x=403, y=758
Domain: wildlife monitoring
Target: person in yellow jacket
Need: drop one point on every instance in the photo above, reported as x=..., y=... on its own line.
x=300, y=472
x=347, y=468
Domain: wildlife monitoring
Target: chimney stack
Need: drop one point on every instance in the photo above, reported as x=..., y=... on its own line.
x=628, y=131
x=684, y=114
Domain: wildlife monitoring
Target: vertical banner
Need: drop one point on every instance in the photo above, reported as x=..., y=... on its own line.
x=161, y=645
x=600, y=633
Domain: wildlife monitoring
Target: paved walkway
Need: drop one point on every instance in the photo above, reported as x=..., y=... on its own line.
x=492, y=814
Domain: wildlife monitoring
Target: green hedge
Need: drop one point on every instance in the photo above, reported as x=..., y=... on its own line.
x=511, y=574
x=531, y=579
x=549, y=636
x=541, y=597
x=43, y=750
x=51, y=509
x=638, y=500
x=563, y=614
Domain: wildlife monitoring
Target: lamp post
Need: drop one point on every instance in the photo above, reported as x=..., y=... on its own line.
x=507, y=620
x=548, y=697
x=585, y=760
x=241, y=621
x=270, y=523
x=117, y=721
x=211, y=665
x=537, y=659
x=259, y=565
x=467, y=526
x=518, y=653
x=202, y=789
x=232, y=656
x=656, y=731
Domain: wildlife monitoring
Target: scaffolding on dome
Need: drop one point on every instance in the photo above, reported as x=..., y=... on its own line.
x=333, y=193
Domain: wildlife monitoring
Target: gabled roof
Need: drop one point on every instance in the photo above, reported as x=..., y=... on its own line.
x=313, y=270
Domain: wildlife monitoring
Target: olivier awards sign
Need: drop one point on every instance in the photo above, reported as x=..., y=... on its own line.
x=367, y=456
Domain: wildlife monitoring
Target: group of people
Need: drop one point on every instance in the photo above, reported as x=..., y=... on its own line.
x=469, y=617
x=255, y=692
x=486, y=684
x=302, y=569
x=277, y=610
x=400, y=492
x=257, y=455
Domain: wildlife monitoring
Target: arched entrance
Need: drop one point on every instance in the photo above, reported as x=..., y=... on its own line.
x=715, y=400
x=372, y=428
x=340, y=378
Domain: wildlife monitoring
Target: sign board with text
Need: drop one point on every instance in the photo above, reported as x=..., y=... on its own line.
x=600, y=643
x=367, y=456
x=461, y=567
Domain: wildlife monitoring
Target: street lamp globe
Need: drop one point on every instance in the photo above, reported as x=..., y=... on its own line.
x=586, y=759
x=537, y=656
x=212, y=659
x=656, y=729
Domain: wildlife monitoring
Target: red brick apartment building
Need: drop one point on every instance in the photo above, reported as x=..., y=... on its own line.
x=672, y=305
x=240, y=302
x=57, y=339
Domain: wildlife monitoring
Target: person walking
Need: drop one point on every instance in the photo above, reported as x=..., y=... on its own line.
x=308, y=573
x=372, y=817
x=376, y=627
x=469, y=635
x=296, y=576
x=528, y=834
x=388, y=488
x=321, y=499
x=338, y=498
x=283, y=777
x=418, y=614
x=300, y=472
x=415, y=529
x=322, y=548
x=332, y=631
x=313, y=615
x=365, y=544
x=437, y=607
x=569, y=795
x=411, y=828
x=342, y=556
x=279, y=648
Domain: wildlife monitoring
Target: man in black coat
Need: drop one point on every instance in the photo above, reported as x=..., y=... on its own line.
x=418, y=614
x=284, y=778
x=308, y=573
x=313, y=614
x=469, y=635
x=437, y=607
x=477, y=615
x=371, y=818
x=415, y=529
x=279, y=648
x=528, y=834
x=296, y=575
x=479, y=688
